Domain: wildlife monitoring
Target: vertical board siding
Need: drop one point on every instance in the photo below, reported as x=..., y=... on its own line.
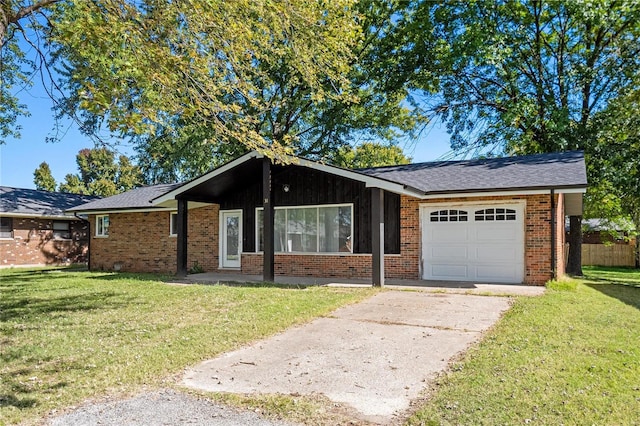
x=312, y=187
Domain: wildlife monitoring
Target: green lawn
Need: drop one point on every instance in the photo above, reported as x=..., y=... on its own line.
x=66, y=336
x=569, y=357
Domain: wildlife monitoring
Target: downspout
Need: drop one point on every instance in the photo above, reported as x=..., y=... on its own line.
x=554, y=268
x=88, y=239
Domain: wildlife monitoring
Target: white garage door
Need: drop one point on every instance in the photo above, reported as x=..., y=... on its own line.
x=482, y=243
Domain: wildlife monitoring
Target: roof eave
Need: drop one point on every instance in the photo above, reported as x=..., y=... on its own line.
x=560, y=189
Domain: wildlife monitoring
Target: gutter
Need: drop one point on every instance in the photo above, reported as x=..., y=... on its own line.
x=88, y=239
x=554, y=268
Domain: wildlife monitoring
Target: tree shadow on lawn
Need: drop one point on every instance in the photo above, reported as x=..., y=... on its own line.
x=628, y=293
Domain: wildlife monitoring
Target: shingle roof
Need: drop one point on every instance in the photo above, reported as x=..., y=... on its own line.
x=135, y=199
x=33, y=202
x=542, y=171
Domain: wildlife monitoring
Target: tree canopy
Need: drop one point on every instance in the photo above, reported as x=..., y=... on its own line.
x=99, y=173
x=43, y=179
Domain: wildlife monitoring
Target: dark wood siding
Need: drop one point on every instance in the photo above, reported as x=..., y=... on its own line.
x=313, y=187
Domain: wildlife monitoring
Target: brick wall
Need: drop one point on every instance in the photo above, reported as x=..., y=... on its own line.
x=140, y=242
x=33, y=243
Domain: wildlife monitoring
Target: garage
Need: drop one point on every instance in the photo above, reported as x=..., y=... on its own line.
x=473, y=242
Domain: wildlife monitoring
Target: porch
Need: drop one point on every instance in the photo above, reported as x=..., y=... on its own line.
x=397, y=284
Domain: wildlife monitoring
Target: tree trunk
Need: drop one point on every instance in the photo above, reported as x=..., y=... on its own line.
x=574, y=263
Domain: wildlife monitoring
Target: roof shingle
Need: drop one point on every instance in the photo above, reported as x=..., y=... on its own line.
x=135, y=199
x=541, y=171
x=33, y=202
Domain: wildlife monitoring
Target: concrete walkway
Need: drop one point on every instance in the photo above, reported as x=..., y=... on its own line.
x=375, y=356
x=417, y=285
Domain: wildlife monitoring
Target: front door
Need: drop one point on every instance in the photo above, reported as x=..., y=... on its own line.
x=230, y=238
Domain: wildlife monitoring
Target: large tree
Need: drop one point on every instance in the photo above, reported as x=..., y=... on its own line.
x=217, y=77
x=314, y=128
x=43, y=178
x=615, y=161
x=100, y=173
x=520, y=77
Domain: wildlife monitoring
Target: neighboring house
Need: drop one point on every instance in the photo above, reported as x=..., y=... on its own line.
x=607, y=244
x=493, y=220
x=598, y=231
x=34, y=229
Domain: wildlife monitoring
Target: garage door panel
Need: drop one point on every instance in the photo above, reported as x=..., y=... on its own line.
x=487, y=246
x=491, y=253
x=495, y=232
x=449, y=252
x=500, y=273
x=450, y=272
x=449, y=232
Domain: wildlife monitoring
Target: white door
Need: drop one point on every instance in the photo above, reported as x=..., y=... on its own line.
x=230, y=238
x=473, y=242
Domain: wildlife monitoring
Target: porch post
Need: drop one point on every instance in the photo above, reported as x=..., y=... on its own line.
x=377, y=237
x=182, y=238
x=268, y=258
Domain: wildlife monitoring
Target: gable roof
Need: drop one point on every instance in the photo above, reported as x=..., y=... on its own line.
x=559, y=171
x=138, y=198
x=33, y=202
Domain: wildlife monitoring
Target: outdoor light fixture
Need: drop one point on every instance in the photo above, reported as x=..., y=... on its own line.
x=285, y=187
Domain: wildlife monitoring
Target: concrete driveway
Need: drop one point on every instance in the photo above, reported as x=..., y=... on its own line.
x=375, y=356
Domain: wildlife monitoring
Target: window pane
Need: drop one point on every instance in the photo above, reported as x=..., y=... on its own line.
x=344, y=224
x=302, y=234
x=280, y=230
x=61, y=230
x=6, y=227
x=233, y=234
x=260, y=230
x=174, y=224
x=329, y=230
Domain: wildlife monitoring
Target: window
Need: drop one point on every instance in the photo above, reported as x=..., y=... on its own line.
x=173, y=224
x=102, y=226
x=321, y=229
x=6, y=227
x=488, y=215
x=61, y=230
x=449, y=216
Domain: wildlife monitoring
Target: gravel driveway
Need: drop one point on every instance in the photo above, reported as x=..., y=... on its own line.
x=164, y=407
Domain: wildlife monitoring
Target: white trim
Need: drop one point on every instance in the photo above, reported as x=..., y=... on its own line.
x=171, y=195
x=102, y=235
x=471, y=203
x=423, y=216
x=191, y=206
x=28, y=215
x=222, y=236
x=369, y=181
x=310, y=206
x=171, y=233
x=503, y=193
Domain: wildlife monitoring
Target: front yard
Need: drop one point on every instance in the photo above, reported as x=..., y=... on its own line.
x=66, y=336
x=571, y=356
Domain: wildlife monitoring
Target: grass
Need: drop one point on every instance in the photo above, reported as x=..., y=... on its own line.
x=66, y=336
x=571, y=356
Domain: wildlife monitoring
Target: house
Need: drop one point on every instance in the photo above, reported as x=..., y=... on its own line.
x=34, y=229
x=490, y=220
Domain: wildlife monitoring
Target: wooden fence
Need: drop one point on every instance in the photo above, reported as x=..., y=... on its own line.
x=608, y=255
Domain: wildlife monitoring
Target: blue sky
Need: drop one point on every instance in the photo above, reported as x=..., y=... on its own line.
x=20, y=157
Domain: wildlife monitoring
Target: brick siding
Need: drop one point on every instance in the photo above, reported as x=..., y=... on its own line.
x=33, y=243
x=141, y=242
